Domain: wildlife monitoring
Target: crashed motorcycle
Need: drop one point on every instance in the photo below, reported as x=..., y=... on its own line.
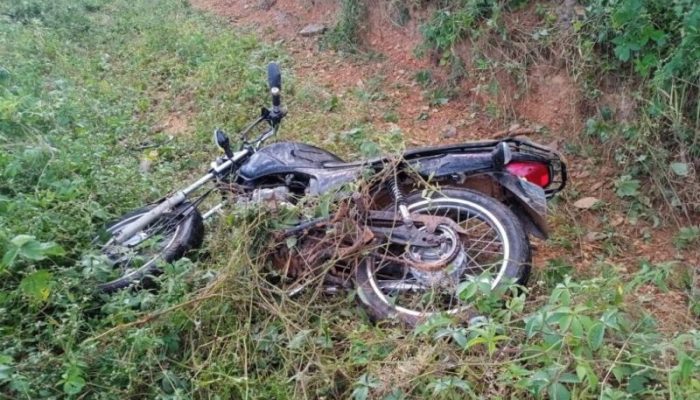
x=407, y=232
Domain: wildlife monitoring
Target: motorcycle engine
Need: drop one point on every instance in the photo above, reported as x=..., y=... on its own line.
x=273, y=197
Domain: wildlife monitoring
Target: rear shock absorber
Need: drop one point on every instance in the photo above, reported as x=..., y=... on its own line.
x=396, y=193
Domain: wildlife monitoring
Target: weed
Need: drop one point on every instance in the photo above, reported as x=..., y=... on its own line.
x=626, y=186
x=649, y=44
x=450, y=25
x=346, y=34
x=686, y=237
x=399, y=12
x=657, y=275
x=438, y=96
x=372, y=90
x=391, y=116
x=424, y=78
x=453, y=23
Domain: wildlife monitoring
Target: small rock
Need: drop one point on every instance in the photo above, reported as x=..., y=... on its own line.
x=449, y=132
x=594, y=236
x=313, y=29
x=586, y=203
x=266, y=5
x=425, y=108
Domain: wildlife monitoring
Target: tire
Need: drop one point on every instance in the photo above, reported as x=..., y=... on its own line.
x=188, y=235
x=514, y=266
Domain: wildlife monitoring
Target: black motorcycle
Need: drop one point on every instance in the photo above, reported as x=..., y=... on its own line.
x=409, y=233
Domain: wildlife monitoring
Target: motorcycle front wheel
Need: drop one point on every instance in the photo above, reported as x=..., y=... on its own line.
x=491, y=247
x=164, y=240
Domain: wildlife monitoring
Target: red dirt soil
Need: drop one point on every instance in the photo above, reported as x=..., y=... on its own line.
x=549, y=103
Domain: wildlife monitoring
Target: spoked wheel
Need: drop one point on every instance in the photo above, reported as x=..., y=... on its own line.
x=413, y=283
x=163, y=241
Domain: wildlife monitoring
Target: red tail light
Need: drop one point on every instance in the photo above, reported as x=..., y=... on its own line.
x=535, y=172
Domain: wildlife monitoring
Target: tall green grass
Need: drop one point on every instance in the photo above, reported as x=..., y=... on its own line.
x=83, y=87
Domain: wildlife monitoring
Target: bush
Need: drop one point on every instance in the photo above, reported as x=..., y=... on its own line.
x=346, y=34
x=656, y=44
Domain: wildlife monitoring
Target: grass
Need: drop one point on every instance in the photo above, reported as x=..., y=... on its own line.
x=84, y=86
x=345, y=35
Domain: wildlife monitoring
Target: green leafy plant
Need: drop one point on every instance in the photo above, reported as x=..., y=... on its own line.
x=345, y=35
x=453, y=23
x=626, y=186
x=687, y=236
x=653, y=45
x=28, y=248
x=363, y=387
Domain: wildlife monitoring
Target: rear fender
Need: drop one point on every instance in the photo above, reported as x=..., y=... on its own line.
x=528, y=202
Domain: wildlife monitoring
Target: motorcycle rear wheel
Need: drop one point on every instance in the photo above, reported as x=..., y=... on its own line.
x=168, y=239
x=397, y=291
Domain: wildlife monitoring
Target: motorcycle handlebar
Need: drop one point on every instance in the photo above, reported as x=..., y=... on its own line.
x=274, y=81
x=274, y=76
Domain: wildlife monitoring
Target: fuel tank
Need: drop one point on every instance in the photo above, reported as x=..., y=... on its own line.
x=285, y=157
x=300, y=159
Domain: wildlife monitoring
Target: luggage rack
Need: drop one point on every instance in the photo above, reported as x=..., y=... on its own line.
x=523, y=150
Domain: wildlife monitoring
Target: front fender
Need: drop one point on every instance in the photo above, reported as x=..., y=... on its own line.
x=529, y=202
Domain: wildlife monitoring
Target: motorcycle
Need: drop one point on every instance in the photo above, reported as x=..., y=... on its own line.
x=408, y=233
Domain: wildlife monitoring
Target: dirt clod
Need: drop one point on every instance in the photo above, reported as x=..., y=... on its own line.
x=266, y=4
x=312, y=30
x=449, y=132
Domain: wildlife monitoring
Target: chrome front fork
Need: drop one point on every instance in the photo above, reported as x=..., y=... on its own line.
x=176, y=199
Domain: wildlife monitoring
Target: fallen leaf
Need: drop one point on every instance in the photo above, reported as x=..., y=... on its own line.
x=680, y=169
x=586, y=202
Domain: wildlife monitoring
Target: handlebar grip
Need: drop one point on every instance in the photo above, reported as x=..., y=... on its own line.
x=274, y=76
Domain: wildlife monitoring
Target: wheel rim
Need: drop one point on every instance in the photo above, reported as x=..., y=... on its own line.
x=411, y=285
x=147, y=244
